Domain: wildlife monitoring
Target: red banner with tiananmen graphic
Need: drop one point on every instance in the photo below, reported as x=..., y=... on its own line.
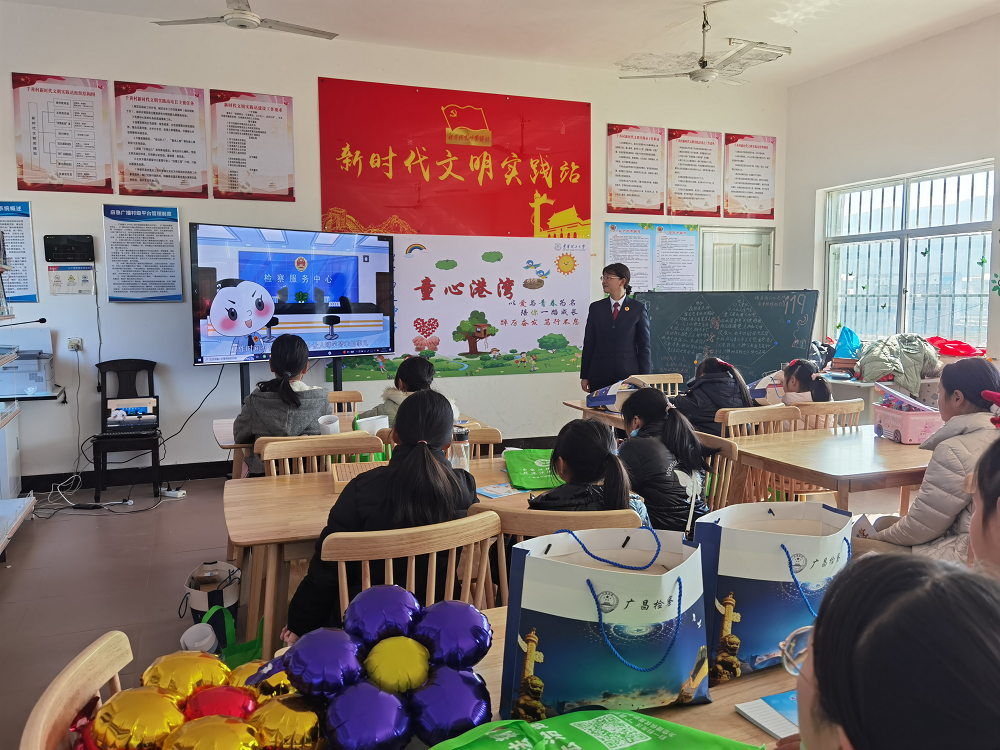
x=404, y=160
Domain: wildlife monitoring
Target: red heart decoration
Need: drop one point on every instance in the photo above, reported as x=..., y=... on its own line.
x=425, y=327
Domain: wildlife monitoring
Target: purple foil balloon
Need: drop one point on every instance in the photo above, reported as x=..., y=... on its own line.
x=277, y=664
x=457, y=635
x=324, y=661
x=362, y=717
x=381, y=612
x=452, y=702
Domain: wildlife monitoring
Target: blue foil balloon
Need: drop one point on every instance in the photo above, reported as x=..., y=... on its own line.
x=362, y=717
x=450, y=703
x=323, y=661
x=277, y=664
x=457, y=634
x=381, y=612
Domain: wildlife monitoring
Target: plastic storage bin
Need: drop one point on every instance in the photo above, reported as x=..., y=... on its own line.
x=909, y=427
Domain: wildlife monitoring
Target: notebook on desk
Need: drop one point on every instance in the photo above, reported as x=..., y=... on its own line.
x=778, y=715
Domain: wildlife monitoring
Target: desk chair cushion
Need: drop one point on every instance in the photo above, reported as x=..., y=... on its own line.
x=264, y=414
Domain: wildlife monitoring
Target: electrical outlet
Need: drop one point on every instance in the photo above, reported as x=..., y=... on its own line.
x=75, y=344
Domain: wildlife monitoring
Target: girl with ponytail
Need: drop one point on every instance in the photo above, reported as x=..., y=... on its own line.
x=716, y=385
x=283, y=406
x=666, y=463
x=419, y=487
x=586, y=459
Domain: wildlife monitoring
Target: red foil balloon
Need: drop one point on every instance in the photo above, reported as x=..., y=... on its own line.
x=224, y=700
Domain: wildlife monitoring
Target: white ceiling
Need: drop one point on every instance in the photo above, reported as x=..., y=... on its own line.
x=825, y=35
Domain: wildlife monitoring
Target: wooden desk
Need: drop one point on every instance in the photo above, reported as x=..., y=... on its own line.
x=845, y=460
x=718, y=717
x=607, y=417
x=278, y=519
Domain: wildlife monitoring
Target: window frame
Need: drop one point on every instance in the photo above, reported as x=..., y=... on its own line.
x=905, y=234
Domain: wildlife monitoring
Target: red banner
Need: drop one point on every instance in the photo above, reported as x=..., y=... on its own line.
x=404, y=160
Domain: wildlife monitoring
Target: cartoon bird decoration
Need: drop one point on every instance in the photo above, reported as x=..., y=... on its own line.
x=531, y=265
x=542, y=274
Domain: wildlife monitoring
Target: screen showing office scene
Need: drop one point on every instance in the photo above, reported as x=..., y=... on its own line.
x=131, y=411
x=254, y=284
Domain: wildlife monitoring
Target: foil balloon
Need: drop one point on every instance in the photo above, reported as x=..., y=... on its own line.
x=80, y=726
x=270, y=680
x=397, y=664
x=289, y=722
x=213, y=733
x=222, y=700
x=239, y=675
x=183, y=671
x=323, y=661
x=451, y=703
x=362, y=717
x=457, y=634
x=136, y=719
x=381, y=612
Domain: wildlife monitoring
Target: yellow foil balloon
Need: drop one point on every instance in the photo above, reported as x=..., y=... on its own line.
x=136, y=719
x=289, y=722
x=275, y=684
x=213, y=733
x=397, y=664
x=184, y=671
x=239, y=676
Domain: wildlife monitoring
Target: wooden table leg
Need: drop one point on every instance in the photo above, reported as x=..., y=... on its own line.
x=245, y=576
x=738, y=484
x=843, y=493
x=904, y=500
x=256, y=590
x=238, y=463
x=270, y=600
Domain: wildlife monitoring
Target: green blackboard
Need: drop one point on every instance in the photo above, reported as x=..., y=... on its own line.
x=755, y=331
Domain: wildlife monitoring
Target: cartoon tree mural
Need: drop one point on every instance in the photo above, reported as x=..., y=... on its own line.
x=474, y=330
x=553, y=341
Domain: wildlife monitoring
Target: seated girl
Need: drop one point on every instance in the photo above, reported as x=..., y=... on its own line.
x=984, y=526
x=585, y=458
x=419, y=487
x=666, y=463
x=283, y=406
x=892, y=631
x=716, y=385
x=803, y=382
x=937, y=523
x=414, y=374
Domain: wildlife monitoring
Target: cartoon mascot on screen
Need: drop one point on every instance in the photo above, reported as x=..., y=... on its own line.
x=241, y=308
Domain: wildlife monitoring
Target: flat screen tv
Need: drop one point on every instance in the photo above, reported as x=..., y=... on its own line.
x=252, y=284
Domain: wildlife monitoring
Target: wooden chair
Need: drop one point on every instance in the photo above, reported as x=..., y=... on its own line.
x=667, y=382
x=721, y=463
x=828, y=414
x=523, y=524
x=475, y=531
x=481, y=437
x=346, y=401
x=759, y=420
x=97, y=665
x=383, y=435
x=313, y=453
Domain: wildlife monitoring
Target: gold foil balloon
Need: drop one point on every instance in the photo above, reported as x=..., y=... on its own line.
x=397, y=664
x=213, y=733
x=239, y=676
x=136, y=719
x=288, y=722
x=184, y=671
x=274, y=685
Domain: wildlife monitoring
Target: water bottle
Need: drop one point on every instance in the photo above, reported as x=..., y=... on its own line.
x=460, y=448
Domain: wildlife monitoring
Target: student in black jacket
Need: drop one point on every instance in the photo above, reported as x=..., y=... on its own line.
x=716, y=385
x=660, y=445
x=419, y=487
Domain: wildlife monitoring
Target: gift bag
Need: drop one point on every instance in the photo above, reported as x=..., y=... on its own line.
x=211, y=585
x=767, y=566
x=608, y=618
x=237, y=654
x=529, y=469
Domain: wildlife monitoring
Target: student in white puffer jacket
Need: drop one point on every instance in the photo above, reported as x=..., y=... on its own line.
x=937, y=524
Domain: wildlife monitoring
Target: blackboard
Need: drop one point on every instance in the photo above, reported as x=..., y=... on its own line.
x=755, y=331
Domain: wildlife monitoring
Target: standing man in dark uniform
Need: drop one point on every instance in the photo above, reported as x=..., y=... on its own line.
x=616, y=342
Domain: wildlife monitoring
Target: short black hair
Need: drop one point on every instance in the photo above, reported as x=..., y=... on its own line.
x=971, y=376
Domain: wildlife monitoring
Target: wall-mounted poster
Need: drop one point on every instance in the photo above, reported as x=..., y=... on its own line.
x=143, y=247
x=477, y=306
x=660, y=257
x=161, y=140
x=750, y=176
x=635, y=170
x=15, y=224
x=694, y=173
x=62, y=134
x=253, y=157
x=402, y=160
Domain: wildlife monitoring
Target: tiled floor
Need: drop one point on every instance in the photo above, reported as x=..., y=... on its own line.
x=70, y=579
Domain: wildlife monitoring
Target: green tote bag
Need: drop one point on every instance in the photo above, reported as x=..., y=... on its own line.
x=529, y=469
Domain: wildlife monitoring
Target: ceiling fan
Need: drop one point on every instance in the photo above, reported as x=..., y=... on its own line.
x=240, y=16
x=723, y=69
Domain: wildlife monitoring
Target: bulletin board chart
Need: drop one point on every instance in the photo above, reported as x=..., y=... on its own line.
x=660, y=257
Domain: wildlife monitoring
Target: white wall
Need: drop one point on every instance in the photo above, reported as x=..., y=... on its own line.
x=932, y=104
x=61, y=42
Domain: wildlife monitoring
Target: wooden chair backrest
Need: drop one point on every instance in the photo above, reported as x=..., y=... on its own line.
x=313, y=453
x=523, y=523
x=667, y=382
x=383, y=435
x=756, y=420
x=836, y=413
x=721, y=463
x=97, y=665
x=481, y=437
x=465, y=533
x=347, y=401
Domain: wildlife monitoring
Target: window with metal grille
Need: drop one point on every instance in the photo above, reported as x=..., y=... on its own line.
x=912, y=254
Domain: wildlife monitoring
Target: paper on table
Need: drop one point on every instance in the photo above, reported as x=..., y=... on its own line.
x=773, y=714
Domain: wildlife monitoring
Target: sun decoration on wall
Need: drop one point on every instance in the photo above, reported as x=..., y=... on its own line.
x=565, y=264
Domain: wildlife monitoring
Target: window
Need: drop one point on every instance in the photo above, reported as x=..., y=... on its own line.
x=736, y=260
x=912, y=255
